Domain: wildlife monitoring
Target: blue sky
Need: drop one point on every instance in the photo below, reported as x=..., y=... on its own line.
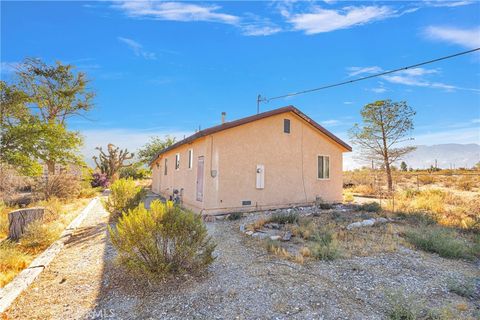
x=169, y=67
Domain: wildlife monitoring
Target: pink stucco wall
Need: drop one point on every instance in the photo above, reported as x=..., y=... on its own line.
x=290, y=161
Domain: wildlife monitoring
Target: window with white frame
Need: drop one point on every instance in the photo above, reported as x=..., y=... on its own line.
x=190, y=158
x=177, y=161
x=323, y=167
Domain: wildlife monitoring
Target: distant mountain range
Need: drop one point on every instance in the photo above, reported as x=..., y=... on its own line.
x=450, y=155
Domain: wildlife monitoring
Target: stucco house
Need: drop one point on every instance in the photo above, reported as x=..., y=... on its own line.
x=274, y=159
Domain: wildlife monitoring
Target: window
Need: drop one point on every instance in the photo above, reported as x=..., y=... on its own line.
x=323, y=167
x=177, y=161
x=165, y=169
x=286, y=125
x=190, y=158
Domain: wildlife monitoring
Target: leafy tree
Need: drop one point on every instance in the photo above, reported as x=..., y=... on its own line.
x=19, y=131
x=385, y=125
x=55, y=93
x=403, y=166
x=111, y=162
x=152, y=148
x=477, y=166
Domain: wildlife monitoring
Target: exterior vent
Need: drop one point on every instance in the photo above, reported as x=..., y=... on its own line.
x=246, y=203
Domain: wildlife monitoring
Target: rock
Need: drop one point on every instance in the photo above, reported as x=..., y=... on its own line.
x=249, y=233
x=242, y=228
x=274, y=238
x=381, y=220
x=368, y=222
x=287, y=236
x=272, y=225
x=260, y=235
x=354, y=225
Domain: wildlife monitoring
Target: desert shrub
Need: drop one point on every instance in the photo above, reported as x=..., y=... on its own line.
x=99, y=180
x=325, y=206
x=417, y=218
x=348, y=197
x=235, y=216
x=274, y=247
x=12, y=260
x=88, y=192
x=39, y=235
x=465, y=288
x=125, y=195
x=53, y=209
x=284, y=218
x=370, y=207
x=135, y=171
x=165, y=239
x=3, y=220
x=363, y=189
x=63, y=186
x=402, y=307
x=305, y=229
x=324, y=246
x=439, y=240
x=426, y=179
x=465, y=183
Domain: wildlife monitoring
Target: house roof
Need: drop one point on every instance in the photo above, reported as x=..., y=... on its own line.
x=239, y=122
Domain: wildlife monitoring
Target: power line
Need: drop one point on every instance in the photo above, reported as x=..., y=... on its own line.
x=264, y=99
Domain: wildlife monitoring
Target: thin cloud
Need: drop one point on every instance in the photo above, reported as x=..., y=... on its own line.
x=355, y=71
x=468, y=38
x=416, y=77
x=176, y=11
x=331, y=123
x=378, y=90
x=321, y=20
x=448, y=3
x=137, y=48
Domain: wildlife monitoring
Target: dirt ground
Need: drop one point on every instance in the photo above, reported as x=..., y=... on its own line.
x=244, y=282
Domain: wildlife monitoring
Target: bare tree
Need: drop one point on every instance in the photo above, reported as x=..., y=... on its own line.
x=112, y=162
x=386, y=124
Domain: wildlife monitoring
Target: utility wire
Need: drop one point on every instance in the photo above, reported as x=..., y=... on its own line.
x=264, y=99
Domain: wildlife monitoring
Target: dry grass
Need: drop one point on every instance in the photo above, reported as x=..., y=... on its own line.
x=38, y=236
x=444, y=207
x=12, y=261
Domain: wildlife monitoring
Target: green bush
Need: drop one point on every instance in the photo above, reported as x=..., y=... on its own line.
x=370, y=207
x=163, y=240
x=124, y=195
x=235, y=216
x=462, y=288
x=284, y=218
x=439, y=240
x=402, y=307
x=135, y=171
x=324, y=246
x=39, y=235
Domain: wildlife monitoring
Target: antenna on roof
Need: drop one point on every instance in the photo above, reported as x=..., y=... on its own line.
x=259, y=100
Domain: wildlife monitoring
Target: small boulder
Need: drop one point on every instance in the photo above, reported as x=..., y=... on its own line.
x=368, y=222
x=287, y=236
x=260, y=235
x=249, y=233
x=381, y=220
x=242, y=228
x=274, y=238
x=354, y=225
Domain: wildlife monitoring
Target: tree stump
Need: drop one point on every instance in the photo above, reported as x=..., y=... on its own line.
x=20, y=219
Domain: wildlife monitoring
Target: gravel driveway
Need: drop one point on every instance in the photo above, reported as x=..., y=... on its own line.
x=244, y=282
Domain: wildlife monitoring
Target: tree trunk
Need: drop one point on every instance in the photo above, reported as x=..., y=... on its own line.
x=50, y=167
x=20, y=219
x=389, y=176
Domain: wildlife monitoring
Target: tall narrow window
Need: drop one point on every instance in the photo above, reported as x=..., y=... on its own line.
x=323, y=167
x=286, y=125
x=190, y=158
x=165, y=169
x=177, y=161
